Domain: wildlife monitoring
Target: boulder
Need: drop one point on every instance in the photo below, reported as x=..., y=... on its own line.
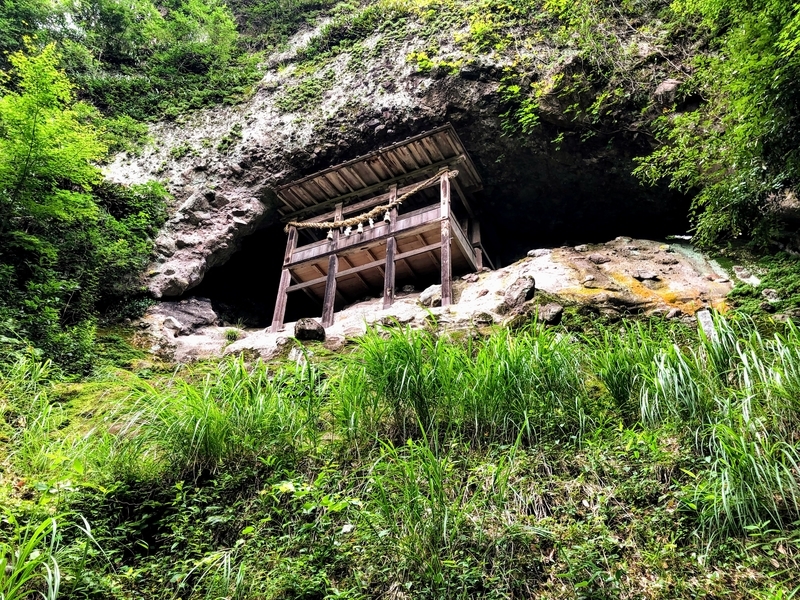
x=520, y=291
x=771, y=295
x=309, y=330
x=431, y=296
x=643, y=275
x=550, y=313
x=184, y=317
x=599, y=259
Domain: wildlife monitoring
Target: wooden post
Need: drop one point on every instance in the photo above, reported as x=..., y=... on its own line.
x=388, y=277
x=447, y=271
x=391, y=244
x=286, y=278
x=280, y=302
x=330, y=291
x=333, y=266
x=476, y=243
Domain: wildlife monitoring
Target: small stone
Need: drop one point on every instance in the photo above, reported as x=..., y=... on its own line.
x=431, y=296
x=550, y=314
x=742, y=272
x=674, y=313
x=482, y=319
x=309, y=330
x=470, y=277
x=599, y=259
x=408, y=289
x=482, y=293
x=538, y=252
x=722, y=280
x=644, y=275
x=768, y=307
x=667, y=260
x=581, y=248
x=173, y=325
x=771, y=295
x=334, y=343
x=588, y=278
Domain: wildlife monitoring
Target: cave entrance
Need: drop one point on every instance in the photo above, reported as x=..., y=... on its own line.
x=359, y=227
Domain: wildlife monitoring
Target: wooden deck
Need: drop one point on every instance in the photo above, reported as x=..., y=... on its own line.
x=362, y=257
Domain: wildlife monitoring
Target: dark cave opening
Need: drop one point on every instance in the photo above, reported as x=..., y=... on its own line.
x=529, y=200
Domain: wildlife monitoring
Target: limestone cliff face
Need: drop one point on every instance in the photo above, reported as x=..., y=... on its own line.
x=221, y=164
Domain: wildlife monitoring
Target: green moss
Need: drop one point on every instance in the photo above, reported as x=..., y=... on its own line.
x=780, y=272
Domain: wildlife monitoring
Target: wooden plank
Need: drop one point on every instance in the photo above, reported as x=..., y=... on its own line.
x=375, y=264
x=280, y=301
x=433, y=149
x=291, y=245
x=427, y=215
x=432, y=256
x=330, y=292
x=447, y=127
x=369, y=189
x=388, y=279
x=447, y=270
x=463, y=197
x=365, y=204
x=461, y=240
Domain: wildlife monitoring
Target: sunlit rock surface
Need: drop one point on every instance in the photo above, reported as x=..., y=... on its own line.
x=622, y=277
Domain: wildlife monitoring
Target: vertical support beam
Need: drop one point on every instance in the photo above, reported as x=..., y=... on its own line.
x=330, y=291
x=391, y=246
x=286, y=278
x=280, y=302
x=447, y=270
x=291, y=245
x=476, y=243
x=388, y=277
x=333, y=266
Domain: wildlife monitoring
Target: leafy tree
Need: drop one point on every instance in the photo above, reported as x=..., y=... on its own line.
x=739, y=149
x=64, y=235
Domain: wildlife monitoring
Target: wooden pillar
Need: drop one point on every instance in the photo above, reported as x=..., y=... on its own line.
x=333, y=266
x=391, y=245
x=447, y=271
x=286, y=278
x=476, y=243
x=330, y=291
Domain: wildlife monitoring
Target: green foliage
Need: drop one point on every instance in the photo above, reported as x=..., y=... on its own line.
x=738, y=149
x=25, y=565
x=68, y=242
x=305, y=94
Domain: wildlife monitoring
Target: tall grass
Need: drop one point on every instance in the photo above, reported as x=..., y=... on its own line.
x=234, y=417
x=488, y=391
x=28, y=566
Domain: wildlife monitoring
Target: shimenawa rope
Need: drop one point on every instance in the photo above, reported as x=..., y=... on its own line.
x=363, y=218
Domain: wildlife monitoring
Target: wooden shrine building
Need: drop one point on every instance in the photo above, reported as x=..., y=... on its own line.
x=398, y=213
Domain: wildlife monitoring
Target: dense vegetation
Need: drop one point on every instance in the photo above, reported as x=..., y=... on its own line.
x=641, y=462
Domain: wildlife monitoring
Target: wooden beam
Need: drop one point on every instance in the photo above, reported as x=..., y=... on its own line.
x=433, y=168
x=291, y=245
x=388, y=279
x=280, y=301
x=447, y=269
x=370, y=265
x=330, y=292
x=463, y=197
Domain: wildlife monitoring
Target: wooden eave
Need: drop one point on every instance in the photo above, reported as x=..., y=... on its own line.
x=406, y=162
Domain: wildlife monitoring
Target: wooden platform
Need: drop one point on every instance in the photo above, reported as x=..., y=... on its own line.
x=426, y=234
x=362, y=257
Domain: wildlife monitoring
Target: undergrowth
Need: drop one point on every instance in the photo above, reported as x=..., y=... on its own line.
x=635, y=463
